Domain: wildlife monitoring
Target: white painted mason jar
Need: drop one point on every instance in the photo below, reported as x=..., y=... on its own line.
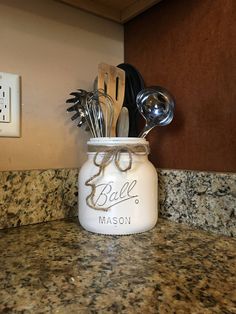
x=118, y=187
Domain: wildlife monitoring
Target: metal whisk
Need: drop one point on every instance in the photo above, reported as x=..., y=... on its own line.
x=88, y=109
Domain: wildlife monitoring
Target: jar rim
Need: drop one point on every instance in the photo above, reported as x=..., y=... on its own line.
x=117, y=141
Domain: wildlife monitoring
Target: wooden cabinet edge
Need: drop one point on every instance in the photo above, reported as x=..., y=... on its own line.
x=94, y=8
x=136, y=8
x=120, y=16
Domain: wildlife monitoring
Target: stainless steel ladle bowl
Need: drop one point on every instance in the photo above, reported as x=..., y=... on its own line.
x=156, y=105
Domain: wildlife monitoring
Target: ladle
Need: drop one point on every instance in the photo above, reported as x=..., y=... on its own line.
x=156, y=105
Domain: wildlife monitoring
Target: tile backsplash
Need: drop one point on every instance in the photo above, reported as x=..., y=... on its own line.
x=202, y=199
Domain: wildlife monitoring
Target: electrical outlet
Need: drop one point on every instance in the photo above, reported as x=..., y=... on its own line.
x=4, y=104
x=9, y=105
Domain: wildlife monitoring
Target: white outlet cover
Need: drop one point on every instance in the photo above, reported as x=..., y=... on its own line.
x=10, y=110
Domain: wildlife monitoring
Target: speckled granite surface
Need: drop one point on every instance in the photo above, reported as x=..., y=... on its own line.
x=201, y=199
x=33, y=196
x=57, y=267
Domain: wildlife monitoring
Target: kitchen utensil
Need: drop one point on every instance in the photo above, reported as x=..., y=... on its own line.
x=77, y=106
x=112, y=80
x=86, y=106
x=156, y=105
x=107, y=107
x=133, y=85
x=93, y=104
x=122, y=128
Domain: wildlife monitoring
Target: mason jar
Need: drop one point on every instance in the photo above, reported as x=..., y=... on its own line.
x=118, y=187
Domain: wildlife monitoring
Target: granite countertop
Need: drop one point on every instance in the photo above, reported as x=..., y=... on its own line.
x=57, y=267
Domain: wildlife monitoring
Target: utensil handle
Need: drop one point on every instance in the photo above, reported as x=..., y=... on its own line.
x=146, y=130
x=122, y=126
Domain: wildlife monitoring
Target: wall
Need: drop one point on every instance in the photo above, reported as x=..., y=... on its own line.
x=189, y=47
x=55, y=49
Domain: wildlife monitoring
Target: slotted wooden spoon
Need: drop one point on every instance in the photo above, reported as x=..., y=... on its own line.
x=112, y=80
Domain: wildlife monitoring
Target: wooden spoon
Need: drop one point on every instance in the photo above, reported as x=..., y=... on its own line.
x=112, y=80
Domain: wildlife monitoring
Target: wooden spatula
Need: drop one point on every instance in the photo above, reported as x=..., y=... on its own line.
x=112, y=80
